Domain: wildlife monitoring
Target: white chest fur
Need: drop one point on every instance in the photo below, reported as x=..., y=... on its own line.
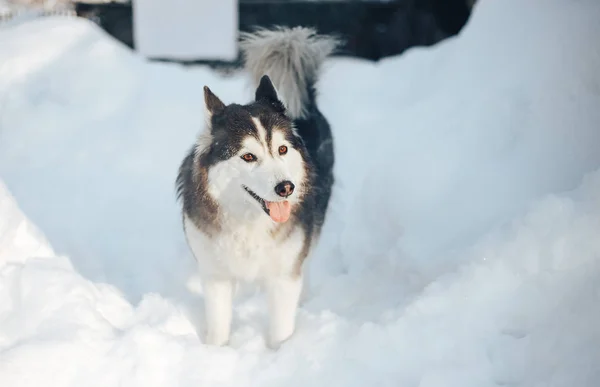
x=247, y=252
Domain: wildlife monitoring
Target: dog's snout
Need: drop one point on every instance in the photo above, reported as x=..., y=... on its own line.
x=285, y=188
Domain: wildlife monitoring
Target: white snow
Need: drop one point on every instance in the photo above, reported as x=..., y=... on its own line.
x=461, y=248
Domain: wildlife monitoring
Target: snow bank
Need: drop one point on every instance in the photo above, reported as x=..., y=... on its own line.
x=523, y=312
x=461, y=248
x=466, y=135
x=54, y=324
x=19, y=239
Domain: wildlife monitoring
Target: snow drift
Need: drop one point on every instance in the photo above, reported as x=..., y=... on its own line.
x=19, y=239
x=461, y=248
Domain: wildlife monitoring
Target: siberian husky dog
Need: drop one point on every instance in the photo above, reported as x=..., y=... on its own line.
x=256, y=185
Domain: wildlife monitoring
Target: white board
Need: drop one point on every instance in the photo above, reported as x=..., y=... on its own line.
x=186, y=29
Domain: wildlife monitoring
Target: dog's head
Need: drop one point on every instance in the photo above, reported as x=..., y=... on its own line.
x=256, y=162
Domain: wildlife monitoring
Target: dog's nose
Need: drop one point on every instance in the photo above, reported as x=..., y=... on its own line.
x=285, y=188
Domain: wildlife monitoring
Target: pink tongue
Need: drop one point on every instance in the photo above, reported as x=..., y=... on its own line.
x=279, y=211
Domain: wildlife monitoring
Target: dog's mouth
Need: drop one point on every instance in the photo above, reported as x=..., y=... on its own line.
x=260, y=200
x=278, y=211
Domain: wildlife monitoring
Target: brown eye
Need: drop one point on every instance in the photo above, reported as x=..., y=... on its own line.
x=282, y=150
x=249, y=157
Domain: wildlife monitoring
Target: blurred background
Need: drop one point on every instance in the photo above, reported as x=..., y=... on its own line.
x=169, y=30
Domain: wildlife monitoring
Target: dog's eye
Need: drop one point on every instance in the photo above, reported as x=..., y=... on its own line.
x=282, y=150
x=249, y=157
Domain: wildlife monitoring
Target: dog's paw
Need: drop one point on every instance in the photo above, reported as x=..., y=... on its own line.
x=216, y=340
x=274, y=345
x=275, y=342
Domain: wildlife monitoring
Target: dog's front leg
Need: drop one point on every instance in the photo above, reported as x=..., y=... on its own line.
x=218, y=298
x=283, y=294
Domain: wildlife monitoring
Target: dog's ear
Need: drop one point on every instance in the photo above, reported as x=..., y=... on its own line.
x=265, y=92
x=212, y=104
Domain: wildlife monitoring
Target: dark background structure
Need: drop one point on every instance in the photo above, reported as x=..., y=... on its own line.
x=370, y=29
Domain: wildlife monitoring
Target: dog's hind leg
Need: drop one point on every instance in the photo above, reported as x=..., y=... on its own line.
x=283, y=294
x=218, y=299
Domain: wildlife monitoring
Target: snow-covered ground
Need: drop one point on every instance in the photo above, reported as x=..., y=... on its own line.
x=462, y=247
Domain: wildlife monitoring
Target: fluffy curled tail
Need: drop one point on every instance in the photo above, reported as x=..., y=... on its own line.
x=291, y=57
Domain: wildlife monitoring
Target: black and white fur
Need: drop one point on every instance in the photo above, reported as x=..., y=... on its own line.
x=225, y=196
